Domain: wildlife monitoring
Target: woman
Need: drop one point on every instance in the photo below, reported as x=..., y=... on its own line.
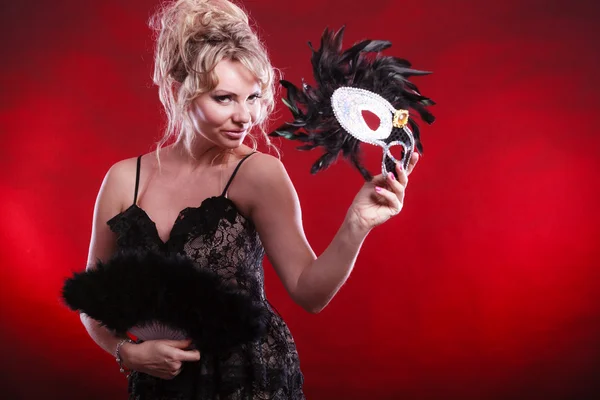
x=216, y=84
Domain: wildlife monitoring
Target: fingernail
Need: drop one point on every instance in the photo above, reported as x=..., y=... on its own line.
x=391, y=176
x=378, y=189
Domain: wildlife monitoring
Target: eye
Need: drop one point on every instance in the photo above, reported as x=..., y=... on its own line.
x=253, y=97
x=222, y=98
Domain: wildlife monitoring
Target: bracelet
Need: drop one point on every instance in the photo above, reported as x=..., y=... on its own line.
x=122, y=369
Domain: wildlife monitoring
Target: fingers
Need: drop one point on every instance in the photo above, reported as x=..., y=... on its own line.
x=391, y=190
x=402, y=174
x=168, y=374
x=165, y=369
x=165, y=359
x=188, y=355
x=176, y=362
x=180, y=350
x=388, y=197
x=179, y=344
x=414, y=158
x=174, y=372
x=399, y=185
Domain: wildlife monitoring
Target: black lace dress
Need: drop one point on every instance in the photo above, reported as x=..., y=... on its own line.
x=217, y=237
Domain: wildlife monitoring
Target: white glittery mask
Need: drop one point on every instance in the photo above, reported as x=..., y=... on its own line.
x=348, y=103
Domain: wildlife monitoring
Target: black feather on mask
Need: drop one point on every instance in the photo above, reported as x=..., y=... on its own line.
x=363, y=67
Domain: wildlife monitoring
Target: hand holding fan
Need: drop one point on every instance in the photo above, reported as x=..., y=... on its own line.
x=158, y=296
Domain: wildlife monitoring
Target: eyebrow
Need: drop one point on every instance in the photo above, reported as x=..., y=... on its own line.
x=232, y=93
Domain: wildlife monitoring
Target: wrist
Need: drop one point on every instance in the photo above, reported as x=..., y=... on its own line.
x=354, y=229
x=355, y=226
x=123, y=356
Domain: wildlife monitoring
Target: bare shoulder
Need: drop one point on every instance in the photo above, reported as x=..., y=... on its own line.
x=116, y=190
x=262, y=181
x=263, y=169
x=122, y=169
x=119, y=183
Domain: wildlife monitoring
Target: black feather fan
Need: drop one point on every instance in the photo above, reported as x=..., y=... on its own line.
x=137, y=289
x=361, y=66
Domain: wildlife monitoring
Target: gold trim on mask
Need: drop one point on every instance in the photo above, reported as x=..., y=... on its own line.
x=400, y=118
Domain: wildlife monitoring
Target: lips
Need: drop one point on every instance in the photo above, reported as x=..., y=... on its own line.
x=234, y=135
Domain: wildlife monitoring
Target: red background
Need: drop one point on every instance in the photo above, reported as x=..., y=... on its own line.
x=484, y=287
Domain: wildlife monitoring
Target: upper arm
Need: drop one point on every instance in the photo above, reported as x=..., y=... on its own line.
x=276, y=213
x=109, y=202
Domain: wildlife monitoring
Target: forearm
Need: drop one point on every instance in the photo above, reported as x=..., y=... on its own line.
x=321, y=279
x=103, y=337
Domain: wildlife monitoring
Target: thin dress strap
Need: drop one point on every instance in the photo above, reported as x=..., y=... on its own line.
x=137, y=179
x=224, y=194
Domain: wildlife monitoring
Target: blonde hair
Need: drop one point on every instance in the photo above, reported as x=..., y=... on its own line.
x=192, y=37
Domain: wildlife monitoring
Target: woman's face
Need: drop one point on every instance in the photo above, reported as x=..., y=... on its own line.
x=225, y=114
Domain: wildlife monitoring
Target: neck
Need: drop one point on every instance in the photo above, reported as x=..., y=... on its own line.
x=202, y=153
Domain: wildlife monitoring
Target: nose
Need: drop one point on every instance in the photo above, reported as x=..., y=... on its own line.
x=241, y=115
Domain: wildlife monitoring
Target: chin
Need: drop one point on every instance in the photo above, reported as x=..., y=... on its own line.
x=233, y=142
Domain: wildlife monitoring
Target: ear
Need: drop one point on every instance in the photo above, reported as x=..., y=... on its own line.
x=179, y=72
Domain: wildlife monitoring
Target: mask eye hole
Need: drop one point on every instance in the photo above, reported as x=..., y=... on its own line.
x=349, y=105
x=397, y=152
x=371, y=119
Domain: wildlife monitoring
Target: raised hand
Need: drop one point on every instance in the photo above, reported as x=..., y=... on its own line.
x=382, y=198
